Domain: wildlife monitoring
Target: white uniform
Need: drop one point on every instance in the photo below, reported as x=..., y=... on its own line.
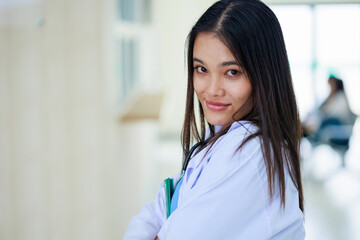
x=338, y=107
x=224, y=196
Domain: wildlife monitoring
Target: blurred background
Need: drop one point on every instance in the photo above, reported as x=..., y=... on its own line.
x=92, y=96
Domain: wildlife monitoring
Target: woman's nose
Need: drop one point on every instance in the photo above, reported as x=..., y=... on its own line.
x=215, y=87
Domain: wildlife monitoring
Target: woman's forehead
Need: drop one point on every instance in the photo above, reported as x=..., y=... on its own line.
x=208, y=47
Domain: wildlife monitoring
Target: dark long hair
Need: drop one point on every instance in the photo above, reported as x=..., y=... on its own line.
x=253, y=34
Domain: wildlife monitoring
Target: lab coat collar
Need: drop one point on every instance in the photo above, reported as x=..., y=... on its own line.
x=233, y=126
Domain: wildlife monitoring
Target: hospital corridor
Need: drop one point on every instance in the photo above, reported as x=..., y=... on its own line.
x=92, y=101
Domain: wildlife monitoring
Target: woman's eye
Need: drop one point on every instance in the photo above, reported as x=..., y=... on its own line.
x=200, y=69
x=233, y=73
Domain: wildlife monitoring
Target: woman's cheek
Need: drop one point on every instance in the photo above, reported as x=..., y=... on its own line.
x=199, y=86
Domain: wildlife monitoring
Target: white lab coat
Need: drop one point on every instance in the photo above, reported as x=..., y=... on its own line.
x=224, y=196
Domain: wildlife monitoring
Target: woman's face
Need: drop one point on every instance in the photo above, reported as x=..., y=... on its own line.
x=219, y=82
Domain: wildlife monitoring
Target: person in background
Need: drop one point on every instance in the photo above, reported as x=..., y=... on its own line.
x=326, y=122
x=336, y=105
x=243, y=179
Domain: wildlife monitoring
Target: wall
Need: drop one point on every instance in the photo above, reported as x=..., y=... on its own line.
x=54, y=125
x=69, y=169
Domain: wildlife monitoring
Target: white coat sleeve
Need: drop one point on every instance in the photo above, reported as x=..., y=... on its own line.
x=146, y=225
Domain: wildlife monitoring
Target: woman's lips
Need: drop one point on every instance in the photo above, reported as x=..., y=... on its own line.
x=216, y=106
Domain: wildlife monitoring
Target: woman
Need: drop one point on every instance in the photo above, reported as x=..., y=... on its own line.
x=333, y=119
x=243, y=180
x=336, y=105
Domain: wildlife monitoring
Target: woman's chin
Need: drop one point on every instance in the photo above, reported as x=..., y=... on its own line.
x=218, y=122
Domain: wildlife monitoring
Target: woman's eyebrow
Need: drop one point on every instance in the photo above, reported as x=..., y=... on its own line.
x=197, y=60
x=224, y=64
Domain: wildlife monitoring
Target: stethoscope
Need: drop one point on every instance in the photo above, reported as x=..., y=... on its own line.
x=187, y=159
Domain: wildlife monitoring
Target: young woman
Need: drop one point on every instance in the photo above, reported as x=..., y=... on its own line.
x=243, y=179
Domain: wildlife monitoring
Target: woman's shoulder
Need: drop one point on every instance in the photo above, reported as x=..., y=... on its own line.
x=232, y=154
x=239, y=132
x=229, y=153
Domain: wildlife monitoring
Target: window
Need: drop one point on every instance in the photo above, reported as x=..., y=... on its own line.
x=322, y=40
x=134, y=10
x=128, y=58
x=133, y=43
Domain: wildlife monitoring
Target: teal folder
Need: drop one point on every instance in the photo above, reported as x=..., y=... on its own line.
x=169, y=191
